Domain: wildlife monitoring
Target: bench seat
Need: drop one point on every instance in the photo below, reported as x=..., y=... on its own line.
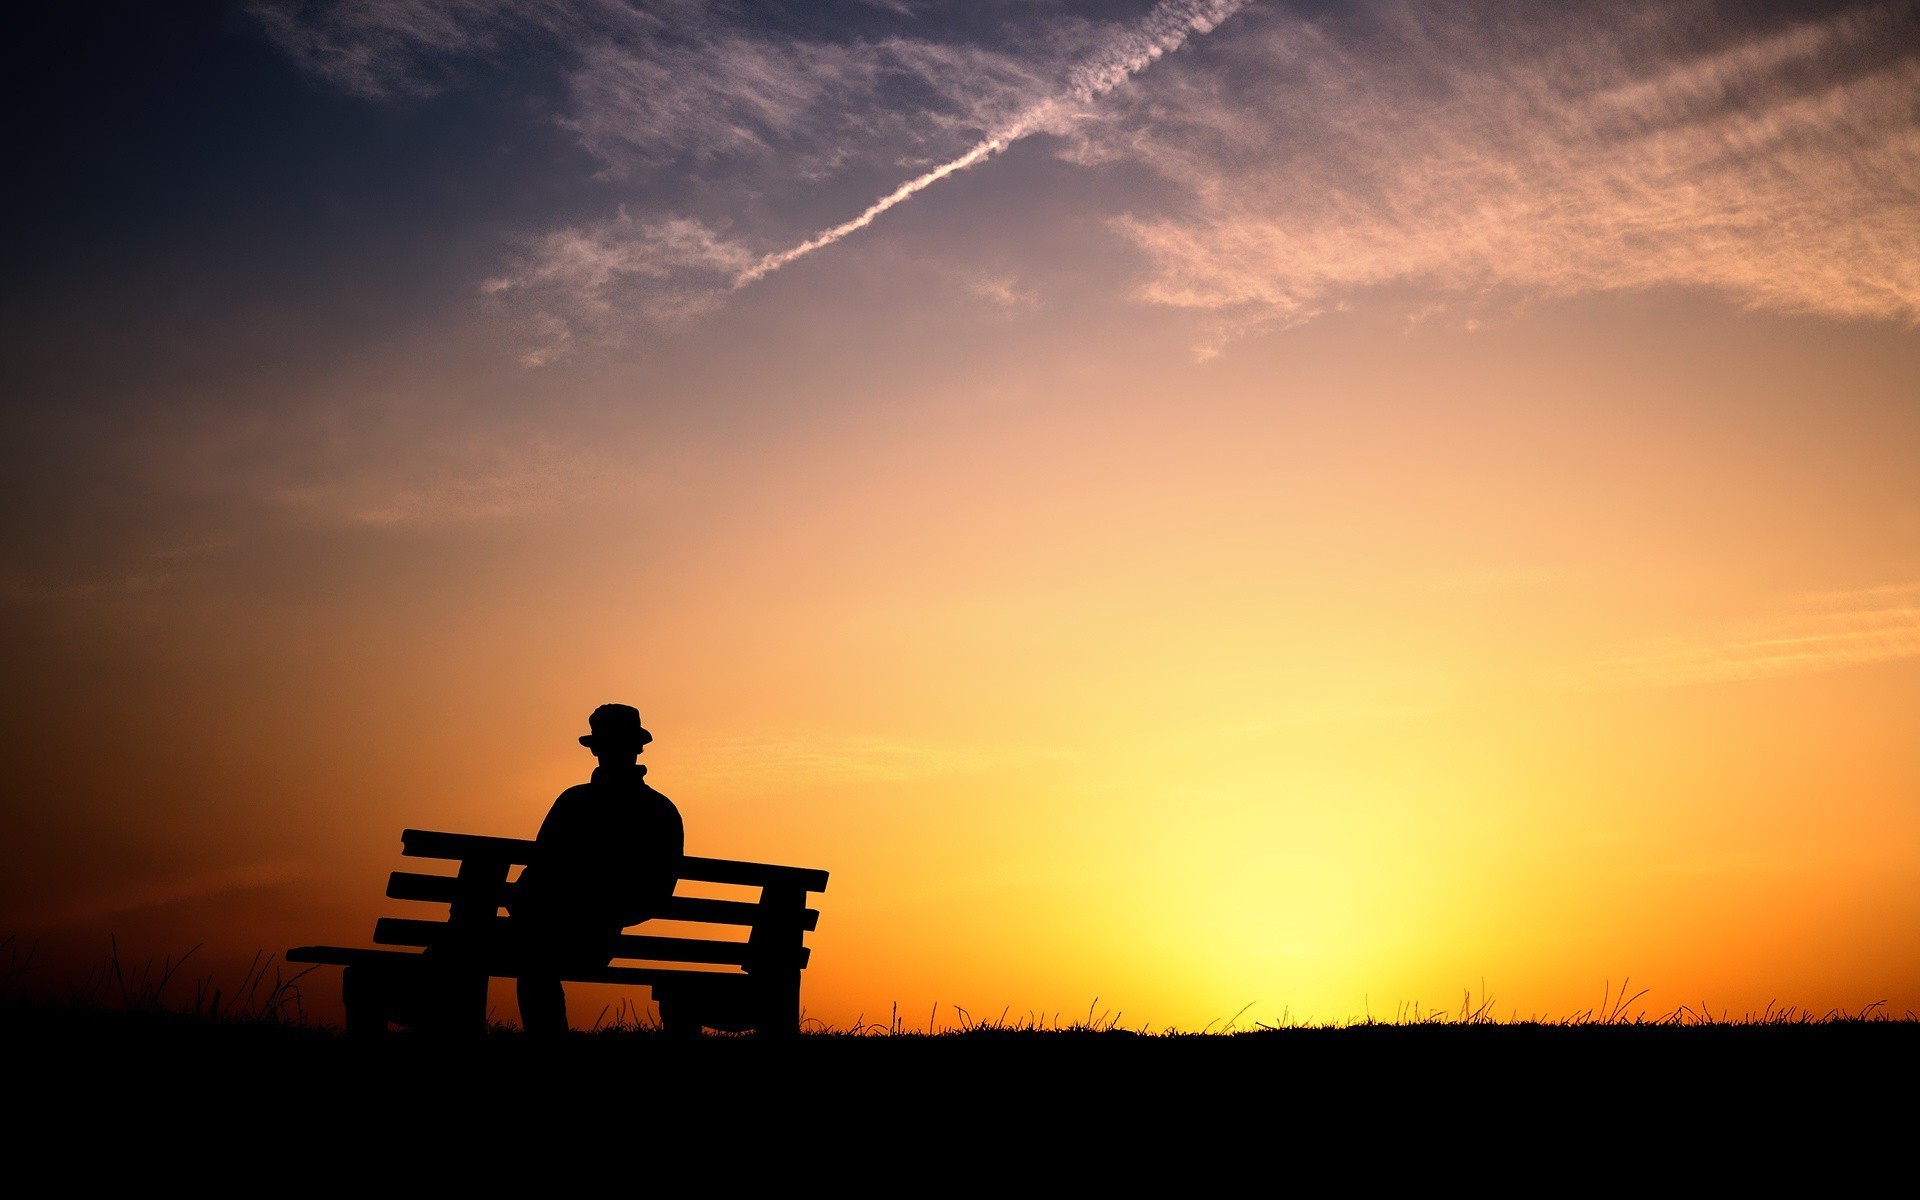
x=722, y=982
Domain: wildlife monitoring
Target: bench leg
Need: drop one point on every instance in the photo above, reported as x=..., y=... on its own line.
x=679, y=1017
x=776, y=952
x=366, y=993
x=440, y=1003
x=779, y=1007
x=768, y=1004
x=455, y=1003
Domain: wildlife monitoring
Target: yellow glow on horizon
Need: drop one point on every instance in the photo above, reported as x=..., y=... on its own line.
x=1323, y=701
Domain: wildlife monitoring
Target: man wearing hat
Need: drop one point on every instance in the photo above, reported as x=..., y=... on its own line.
x=606, y=858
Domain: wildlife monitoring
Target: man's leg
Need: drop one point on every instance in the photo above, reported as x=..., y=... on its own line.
x=552, y=949
x=543, y=1003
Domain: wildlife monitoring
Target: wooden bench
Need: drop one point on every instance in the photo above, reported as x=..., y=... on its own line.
x=441, y=984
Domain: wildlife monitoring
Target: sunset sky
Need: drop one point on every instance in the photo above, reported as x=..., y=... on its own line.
x=1308, y=506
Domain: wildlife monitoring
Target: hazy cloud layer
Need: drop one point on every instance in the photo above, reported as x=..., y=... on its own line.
x=133, y=897
x=387, y=48
x=864, y=760
x=1818, y=633
x=696, y=92
x=687, y=83
x=677, y=267
x=1465, y=149
x=814, y=105
x=1475, y=147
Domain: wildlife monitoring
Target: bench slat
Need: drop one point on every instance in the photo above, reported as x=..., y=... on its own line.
x=672, y=949
x=445, y=889
x=751, y=874
x=429, y=843
x=692, y=950
x=434, y=889
x=728, y=912
x=348, y=956
x=404, y=931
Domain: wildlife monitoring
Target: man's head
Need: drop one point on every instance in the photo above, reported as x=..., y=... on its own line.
x=617, y=733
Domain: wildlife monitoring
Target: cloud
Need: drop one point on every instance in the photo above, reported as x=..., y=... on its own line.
x=474, y=479
x=865, y=760
x=1464, y=149
x=1820, y=633
x=1495, y=581
x=677, y=85
x=387, y=48
x=202, y=885
x=1474, y=153
x=695, y=86
x=708, y=99
x=1113, y=62
x=1002, y=291
x=805, y=108
x=604, y=275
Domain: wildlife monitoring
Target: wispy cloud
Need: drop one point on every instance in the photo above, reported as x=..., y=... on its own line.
x=874, y=760
x=1817, y=633
x=697, y=88
x=685, y=268
x=1469, y=152
x=1495, y=581
x=473, y=479
x=386, y=48
x=1004, y=292
x=663, y=271
x=680, y=83
x=1461, y=148
x=219, y=881
x=713, y=93
x=1165, y=29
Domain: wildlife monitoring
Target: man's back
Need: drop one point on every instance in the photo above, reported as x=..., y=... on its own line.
x=608, y=851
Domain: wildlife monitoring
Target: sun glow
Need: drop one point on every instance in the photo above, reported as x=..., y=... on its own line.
x=1318, y=510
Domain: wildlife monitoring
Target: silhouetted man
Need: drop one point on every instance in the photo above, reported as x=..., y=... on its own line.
x=606, y=858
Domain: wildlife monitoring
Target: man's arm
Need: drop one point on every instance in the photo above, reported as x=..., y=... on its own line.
x=652, y=861
x=558, y=821
x=676, y=837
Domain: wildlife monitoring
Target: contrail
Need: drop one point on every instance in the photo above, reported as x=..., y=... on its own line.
x=1164, y=29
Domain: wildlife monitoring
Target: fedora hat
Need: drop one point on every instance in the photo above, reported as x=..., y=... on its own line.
x=616, y=725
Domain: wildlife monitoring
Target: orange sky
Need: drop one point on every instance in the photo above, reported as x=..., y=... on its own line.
x=1379, y=601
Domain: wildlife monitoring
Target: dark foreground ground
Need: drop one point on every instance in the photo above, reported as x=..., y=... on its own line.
x=1541, y=1108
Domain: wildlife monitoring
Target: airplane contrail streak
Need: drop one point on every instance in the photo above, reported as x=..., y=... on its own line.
x=1164, y=29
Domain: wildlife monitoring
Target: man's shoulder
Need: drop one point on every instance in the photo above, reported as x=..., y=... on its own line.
x=656, y=800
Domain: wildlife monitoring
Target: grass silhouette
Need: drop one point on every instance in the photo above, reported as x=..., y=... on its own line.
x=154, y=1060
x=267, y=996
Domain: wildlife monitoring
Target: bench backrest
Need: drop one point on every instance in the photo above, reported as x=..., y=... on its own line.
x=777, y=921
